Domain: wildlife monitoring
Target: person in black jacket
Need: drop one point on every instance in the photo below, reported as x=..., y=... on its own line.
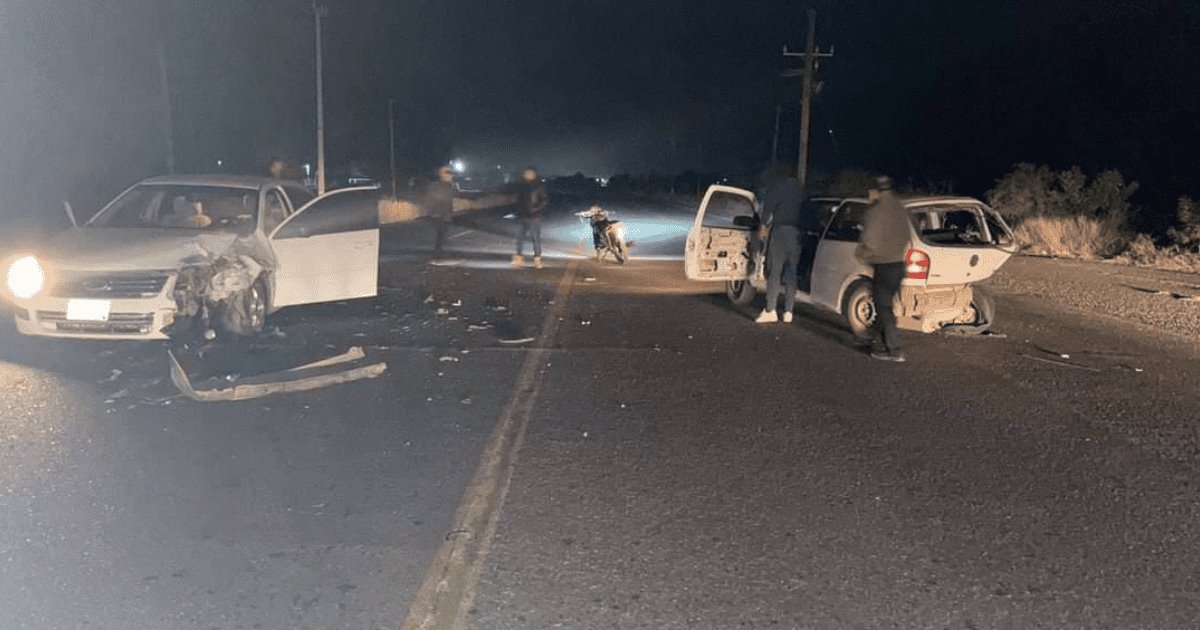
x=532, y=200
x=439, y=207
x=781, y=214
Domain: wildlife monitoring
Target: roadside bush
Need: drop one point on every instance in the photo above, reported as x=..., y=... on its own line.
x=1071, y=237
x=1065, y=213
x=1036, y=191
x=1186, y=235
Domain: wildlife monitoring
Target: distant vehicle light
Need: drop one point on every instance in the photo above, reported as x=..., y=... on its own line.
x=25, y=278
x=459, y=166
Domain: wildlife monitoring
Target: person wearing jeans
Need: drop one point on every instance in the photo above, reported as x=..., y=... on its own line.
x=884, y=242
x=781, y=212
x=532, y=200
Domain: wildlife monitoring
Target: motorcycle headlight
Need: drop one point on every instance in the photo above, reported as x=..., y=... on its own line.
x=25, y=277
x=621, y=232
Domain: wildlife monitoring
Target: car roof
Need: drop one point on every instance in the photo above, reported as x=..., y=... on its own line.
x=913, y=202
x=247, y=182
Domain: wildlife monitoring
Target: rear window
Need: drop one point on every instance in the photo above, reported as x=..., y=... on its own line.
x=951, y=225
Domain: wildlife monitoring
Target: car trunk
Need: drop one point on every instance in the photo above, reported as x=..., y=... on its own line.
x=958, y=244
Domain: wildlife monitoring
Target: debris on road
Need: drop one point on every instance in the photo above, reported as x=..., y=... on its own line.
x=323, y=373
x=1077, y=366
x=448, y=359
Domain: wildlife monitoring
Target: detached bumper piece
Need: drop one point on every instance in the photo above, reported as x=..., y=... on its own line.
x=344, y=368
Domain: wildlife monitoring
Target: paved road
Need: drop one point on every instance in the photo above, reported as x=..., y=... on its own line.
x=676, y=467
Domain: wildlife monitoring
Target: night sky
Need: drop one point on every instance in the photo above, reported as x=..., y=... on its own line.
x=945, y=90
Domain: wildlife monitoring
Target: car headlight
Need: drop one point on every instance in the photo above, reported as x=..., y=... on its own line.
x=25, y=277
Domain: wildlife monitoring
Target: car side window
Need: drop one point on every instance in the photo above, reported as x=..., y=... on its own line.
x=275, y=212
x=823, y=208
x=724, y=209
x=847, y=223
x=299, y=195
x=347, y=211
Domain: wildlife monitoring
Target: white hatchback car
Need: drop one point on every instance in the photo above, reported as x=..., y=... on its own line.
x=220, y=249
x=955, y=243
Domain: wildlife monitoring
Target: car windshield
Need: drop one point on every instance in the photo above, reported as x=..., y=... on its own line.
x=206, y=208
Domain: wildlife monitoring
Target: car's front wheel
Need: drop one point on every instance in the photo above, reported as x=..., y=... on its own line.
x=858, y=309
x=245, y=314
x=740, y=292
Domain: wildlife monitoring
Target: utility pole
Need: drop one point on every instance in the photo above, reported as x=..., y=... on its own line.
x=392, y=142
x=775, y=138
x=164, y=85
x=318, y=12
x=811, y=55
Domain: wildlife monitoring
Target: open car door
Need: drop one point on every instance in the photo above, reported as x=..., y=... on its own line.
x=328, y=250
x=719, y=243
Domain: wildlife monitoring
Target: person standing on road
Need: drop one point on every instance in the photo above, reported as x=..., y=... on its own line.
x=781, y=216
x=438, y=204
x=277, y=168
x=532, y=200
x=884, y=242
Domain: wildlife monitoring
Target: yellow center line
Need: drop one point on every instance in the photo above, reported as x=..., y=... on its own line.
x=447, y=594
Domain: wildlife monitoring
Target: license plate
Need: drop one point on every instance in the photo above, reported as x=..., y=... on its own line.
x=88, y=310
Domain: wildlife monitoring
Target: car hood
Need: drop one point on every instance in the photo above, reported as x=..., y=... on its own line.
x=134, y=249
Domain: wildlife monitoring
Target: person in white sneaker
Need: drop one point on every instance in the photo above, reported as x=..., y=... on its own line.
x=532, y=200
x=781, y=216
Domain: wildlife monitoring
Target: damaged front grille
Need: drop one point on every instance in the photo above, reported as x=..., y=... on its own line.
x=110, y=286
x=117, y=324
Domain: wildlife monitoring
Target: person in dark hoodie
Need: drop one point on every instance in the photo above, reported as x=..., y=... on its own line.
x=884, y=242
x=781, y=214
x=438, y=204
x=532, y=200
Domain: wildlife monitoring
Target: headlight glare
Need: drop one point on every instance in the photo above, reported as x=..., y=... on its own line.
x=25, y=277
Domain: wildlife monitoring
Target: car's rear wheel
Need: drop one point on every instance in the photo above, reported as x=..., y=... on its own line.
x=245, y=314
x=858, y=309
x=740, y=292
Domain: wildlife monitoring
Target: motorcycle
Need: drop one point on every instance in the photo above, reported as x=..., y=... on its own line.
x=608, y=236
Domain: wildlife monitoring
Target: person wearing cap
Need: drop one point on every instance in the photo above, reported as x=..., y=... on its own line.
x=781, y=215
x=884, y=241
x=439, y=207
x=532, y=200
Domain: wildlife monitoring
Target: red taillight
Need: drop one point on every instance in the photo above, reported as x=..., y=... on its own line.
x=916, y=265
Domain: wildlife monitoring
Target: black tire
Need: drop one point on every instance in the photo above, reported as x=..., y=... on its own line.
x=858, y=309
x=740, y=292
x=246, y=314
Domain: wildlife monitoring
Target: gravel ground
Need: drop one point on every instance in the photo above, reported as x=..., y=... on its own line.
x=1165, y=301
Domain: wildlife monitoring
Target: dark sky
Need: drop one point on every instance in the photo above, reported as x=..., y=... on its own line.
x=943, y=89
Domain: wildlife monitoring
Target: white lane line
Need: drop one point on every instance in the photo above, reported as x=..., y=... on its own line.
x=463, y=233
x=448, y=591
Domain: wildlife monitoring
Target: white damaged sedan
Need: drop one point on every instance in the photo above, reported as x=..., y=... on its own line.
x=211, y=250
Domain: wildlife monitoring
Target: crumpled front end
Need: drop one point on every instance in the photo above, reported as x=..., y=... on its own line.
x=141, y=305
x=131, y=305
